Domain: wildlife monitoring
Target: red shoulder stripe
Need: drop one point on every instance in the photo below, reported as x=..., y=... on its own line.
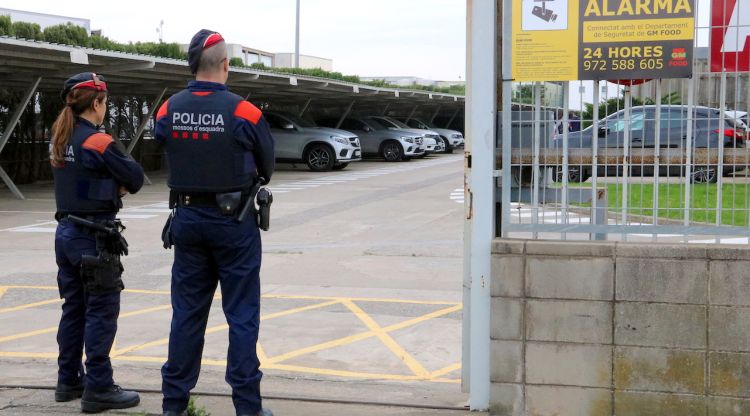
x=162, y=110
x=248, y=111
x=98, y=142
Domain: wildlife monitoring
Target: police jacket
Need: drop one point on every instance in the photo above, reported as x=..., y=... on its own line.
x=215, y=141
x=94, y=168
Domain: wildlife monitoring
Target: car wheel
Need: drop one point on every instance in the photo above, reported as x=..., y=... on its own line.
x=320, y=158
x=340, y=166
x=448, y=147
x=392, y=152
x=575, y=175
x=705, y=174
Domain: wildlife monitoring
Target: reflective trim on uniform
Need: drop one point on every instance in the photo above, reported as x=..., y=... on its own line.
x=162, y=110
x=248, y=111
x=98, y=142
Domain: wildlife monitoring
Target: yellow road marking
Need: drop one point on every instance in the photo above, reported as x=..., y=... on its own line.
x=3, y=289
x=22, y=354
x=28, y=334
x=29, y=305
x=386, y=339
x=445, y=370
x=222, y=327
x=223, y=363
x=273, y=296
x=262, y=357
x=362, y=335
x=54, y=328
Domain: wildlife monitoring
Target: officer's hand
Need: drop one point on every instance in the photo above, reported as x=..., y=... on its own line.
x=123, y=191
x=262, y=180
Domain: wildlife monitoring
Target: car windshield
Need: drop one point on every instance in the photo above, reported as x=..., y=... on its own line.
x=376, y=123
x=389, y=122
x=299, y=121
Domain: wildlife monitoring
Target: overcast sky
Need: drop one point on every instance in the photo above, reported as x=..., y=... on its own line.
x=424, y=38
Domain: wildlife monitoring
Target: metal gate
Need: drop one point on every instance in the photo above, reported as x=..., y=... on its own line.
x=661, y=160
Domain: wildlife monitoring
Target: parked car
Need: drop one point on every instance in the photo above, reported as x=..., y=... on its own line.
x=740, y=117
x=379, y=140
x=431, y=143
x=322, y=149
x=708, y=132
x=452, y=139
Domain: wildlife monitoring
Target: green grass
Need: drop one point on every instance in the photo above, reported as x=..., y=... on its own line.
x=194, y=410
x=703, y=202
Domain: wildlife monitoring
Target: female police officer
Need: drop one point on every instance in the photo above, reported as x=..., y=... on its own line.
x=91, y=176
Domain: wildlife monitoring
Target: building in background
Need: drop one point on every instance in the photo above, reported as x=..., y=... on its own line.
x=248, y=55
x=45, y=20
x=286, y=60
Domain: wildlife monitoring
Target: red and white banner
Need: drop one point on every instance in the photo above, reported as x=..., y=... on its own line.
x=730, y=36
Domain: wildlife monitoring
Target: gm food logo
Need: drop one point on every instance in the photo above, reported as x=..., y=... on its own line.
x=730, y=36
x=679, y=57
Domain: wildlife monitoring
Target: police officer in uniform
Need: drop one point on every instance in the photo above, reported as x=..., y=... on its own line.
x=91, y=174
x=219, y=147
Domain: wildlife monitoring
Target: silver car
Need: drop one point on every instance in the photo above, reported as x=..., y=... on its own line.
x=431, y=143
x=380, y=140
x=452, y=139
x=322, y=149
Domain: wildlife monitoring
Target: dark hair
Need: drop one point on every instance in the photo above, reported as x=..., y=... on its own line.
x=76, y=102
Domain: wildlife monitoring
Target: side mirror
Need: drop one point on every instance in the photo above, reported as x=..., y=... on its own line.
x=603, y=130
x=366, y=129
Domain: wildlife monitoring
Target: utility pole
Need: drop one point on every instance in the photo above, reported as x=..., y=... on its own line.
x=296, y=40
x=160, y=31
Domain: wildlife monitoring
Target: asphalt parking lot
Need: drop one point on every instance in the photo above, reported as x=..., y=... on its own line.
x=361, y=286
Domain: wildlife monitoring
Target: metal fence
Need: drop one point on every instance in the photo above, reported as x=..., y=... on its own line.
x=664, y=160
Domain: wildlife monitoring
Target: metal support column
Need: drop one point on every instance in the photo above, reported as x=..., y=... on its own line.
x=480, y=164
x=411, y=114
x=385, y=110
x=435, y=114
x=305, y=107
x=345, y=114
x=453, y=117
x=142, y=127
x=9, y=130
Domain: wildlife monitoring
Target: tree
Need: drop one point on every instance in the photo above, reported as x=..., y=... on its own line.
x=67, y=34
x=27, y=30
x=6, y=26
x=236, y=61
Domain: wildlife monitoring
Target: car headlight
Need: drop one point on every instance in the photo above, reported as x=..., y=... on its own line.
x=407, y=139
x=455, y=136
x=342, y=140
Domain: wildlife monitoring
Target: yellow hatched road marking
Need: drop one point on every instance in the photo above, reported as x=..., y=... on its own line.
x=445, y=370
x=221, y=327
x=3, y=289
x=54, y=328
x=386, y=339
x=30, y=305
x=362, y=335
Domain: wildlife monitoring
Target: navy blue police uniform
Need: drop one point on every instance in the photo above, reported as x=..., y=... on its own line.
x=87, y=185
x=216, y=143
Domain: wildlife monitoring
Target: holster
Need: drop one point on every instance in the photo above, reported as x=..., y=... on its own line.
x=102, y=273
x=166, y=232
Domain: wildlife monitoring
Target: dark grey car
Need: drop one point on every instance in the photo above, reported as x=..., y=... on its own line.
x=708, y=132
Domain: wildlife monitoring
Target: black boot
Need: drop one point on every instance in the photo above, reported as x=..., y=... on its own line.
x=66, y=392
x=95, y=401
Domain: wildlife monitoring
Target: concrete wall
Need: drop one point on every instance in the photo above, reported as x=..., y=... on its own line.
x=286, y=60
x=589, y=329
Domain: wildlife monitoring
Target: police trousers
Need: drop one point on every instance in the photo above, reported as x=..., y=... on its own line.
x=88, y=320
x=211, y=249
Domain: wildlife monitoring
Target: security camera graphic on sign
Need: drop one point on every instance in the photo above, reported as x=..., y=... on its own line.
x=544, y=15
x=543, y=12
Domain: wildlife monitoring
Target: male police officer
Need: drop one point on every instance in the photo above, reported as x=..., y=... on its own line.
x=218, y=146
